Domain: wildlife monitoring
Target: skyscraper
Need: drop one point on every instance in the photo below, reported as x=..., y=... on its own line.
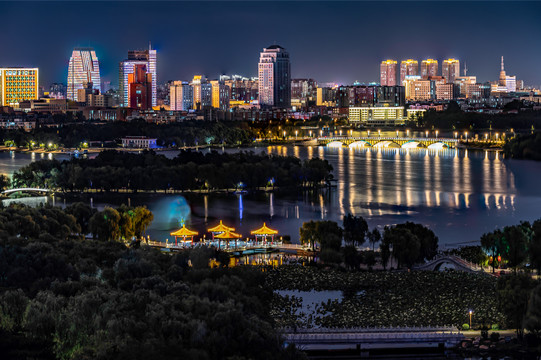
x=407, y=68
x=450, y=70
x=138, y=57
x=180, y=96
x=388, y=73
x=18, y=84
x=275, y=77
x=429, y=67
x=83, y=68
x=140, y=88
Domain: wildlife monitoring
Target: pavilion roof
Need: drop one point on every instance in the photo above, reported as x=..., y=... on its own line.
x=221, y=228
x=228, y=235
x=264, y=230
x=184, y=232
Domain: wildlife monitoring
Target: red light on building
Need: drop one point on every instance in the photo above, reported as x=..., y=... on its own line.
x=140, y=88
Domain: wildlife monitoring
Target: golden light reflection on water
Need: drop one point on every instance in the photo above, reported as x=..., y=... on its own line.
x=417, y=177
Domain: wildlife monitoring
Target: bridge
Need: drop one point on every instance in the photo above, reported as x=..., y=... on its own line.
x=366, y=339
x=387, y=142
x=33, y=191
x=240, y=248
x=450, y=262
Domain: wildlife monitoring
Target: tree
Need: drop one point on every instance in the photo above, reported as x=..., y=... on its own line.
x=82, y=213
x=492, y=244
x=516, y=249
x=532, y=321
x=351, y=257
x=4, y=182
x=355, y=229
x=308, y=233
x=374, y=236
x=385, y=251
x=534, y=249
x=142, y=220
x=513, y=293
x=105, y=225
x=406, y=246
x=428, y=240
x=327, y=233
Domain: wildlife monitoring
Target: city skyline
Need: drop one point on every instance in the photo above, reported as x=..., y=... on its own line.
x=342, y=61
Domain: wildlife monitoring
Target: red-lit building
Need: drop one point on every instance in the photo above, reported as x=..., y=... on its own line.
x=140, y=88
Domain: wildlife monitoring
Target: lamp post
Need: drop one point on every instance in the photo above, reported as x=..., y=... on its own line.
x=310, y=133
x=407, y=133
x=379, y=133
x=296, y=132
x=456, y=134
x=466, y=134
x=436, y=134
x=471, y=312
x=396, y=133
x=497, y=135
x=426, y=134
x=284, y=134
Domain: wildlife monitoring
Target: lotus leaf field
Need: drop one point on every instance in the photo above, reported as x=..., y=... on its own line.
x=385, y=299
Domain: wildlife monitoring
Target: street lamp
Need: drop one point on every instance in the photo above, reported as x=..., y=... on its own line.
x=340, y=132
x=426, y=133
x=296, y=132
x=471, y=312
x=486, y=136
x=284, y=134
x=310, y=133
x=436, y=134
x=456, y=134
x=497, y=136
x=407, y=133
x=379, y=132
x=396, y=133
x=466, y=134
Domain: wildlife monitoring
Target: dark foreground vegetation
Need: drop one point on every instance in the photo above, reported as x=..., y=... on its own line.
x=190, y=170
x=524, y=147
x=63, y=297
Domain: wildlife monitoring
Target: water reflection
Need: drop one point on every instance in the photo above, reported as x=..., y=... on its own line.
x=460, y=194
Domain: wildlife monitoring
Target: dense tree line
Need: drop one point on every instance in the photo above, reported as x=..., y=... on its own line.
x=455, y=119
x=408, y=243
x=112, y=170
x=64, y=297
x=524, y=147
x=187, y=133
x=514, y=246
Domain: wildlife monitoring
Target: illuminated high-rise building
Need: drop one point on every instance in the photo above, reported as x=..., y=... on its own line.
x=450, y=70
x=429, y=67
x=202, y=92
x=83, y=68
x=140, y=88
x=126, y=67
x=220, y=95
x=274, y=77
x=180, y=96
x=387, y=71
x=18, y=84
x=407, y=68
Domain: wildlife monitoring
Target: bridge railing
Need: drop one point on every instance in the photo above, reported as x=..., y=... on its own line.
x=420, y=139
x=400, y=329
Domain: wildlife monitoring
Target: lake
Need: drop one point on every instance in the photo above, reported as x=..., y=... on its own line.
x=460, y=194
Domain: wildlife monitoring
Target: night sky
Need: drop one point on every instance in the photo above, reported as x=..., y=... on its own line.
x=328, y=41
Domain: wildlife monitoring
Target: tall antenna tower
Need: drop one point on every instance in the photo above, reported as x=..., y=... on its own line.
x=465, y=69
